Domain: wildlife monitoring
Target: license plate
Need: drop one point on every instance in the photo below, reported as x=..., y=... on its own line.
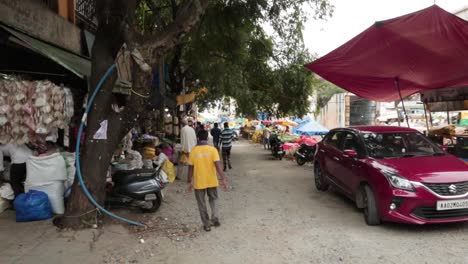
x=150, y=197
x=280, y=152
x=452, y=204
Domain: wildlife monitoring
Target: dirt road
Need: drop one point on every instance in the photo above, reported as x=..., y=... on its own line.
x=273, y=214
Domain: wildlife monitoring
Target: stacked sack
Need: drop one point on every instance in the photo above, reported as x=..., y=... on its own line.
x=48, y=174
x=32, y=107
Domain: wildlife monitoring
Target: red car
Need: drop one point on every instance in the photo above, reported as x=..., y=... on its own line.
x=394, y=174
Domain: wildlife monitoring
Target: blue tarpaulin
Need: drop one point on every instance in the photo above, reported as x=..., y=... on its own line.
x=311, y=128
x=300, y=123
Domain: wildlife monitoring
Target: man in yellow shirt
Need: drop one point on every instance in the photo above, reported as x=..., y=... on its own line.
x=203, y=165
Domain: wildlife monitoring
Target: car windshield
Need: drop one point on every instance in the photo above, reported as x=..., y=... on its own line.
x=397, y=145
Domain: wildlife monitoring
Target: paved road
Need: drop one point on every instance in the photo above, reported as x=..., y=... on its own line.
x=273, y=214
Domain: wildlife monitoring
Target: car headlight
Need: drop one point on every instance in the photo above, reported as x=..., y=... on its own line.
x=398, y=181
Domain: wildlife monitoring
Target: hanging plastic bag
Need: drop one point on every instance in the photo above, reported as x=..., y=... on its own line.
x=168, y=168
x=32, y=206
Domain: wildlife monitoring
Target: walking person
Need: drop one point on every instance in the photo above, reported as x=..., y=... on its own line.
x=216, y=134
x=266, y=137
x=200, y=128
x=226, y=145
x=203, y=165
x=188, y=140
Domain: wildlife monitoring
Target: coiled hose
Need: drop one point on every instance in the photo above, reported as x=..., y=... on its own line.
x=78, y=143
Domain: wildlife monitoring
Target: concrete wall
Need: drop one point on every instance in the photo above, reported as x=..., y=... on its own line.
x=37, y=20
x=333, y=115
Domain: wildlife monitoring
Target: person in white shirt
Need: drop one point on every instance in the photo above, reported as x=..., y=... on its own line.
x=18, y=155
x=188, y=137
x=188, y=140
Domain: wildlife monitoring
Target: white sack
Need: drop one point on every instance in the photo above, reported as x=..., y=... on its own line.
x=70, y=159
x=44, y=169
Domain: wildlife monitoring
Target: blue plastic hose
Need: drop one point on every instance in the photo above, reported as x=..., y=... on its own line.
x=78, y=143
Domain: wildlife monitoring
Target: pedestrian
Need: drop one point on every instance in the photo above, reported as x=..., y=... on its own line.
x=188, y=140
x=200, y=128
x=19, y=154
x=226, y=145
x=216, y=133
x=190, y=124
x=266, y=137
x=203, y=165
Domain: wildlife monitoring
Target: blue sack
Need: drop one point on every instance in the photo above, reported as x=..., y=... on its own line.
x=32, y=206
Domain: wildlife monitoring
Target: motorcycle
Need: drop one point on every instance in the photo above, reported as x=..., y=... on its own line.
x=140, y=188
x=305, y=153
x=277, y=149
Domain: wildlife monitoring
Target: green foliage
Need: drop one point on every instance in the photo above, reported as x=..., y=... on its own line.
x=230, y=53
x=324, y=91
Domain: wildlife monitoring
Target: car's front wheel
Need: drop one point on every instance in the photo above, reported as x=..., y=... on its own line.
x=320, y=182
x=371, y=213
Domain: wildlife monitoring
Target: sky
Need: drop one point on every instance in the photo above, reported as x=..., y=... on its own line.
x=351, y=17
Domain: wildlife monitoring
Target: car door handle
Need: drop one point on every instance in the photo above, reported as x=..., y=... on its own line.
x=336, y=158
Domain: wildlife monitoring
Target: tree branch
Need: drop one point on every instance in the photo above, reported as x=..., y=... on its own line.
x=187, y=16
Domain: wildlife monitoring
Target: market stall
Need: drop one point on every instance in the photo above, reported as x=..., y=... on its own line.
x=33, y=113
x=455, y=134
x=33, y=107
x=398, y=57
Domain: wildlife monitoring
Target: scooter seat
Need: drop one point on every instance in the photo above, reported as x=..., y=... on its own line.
x=126, y=176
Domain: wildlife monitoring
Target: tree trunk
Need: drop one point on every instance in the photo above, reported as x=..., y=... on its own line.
x=96, y=155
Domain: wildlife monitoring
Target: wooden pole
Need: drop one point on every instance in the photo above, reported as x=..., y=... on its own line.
x=427, y=122
x=397, y=83
x=397, y=113
x=448, y=114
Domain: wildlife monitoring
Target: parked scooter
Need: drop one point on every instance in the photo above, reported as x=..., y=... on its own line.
x=139, y=188
x=277, y=149
x=305, y=153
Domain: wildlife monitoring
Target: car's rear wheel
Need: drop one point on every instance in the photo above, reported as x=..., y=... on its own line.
x=320, y=182
x=371, y=213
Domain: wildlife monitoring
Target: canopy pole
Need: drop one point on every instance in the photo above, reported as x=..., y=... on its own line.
x=397, y=83
x=427, y=121
x=397, y=114
x=448, y=114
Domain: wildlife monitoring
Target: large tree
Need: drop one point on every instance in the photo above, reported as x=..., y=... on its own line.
x=228, y=51
x=118, y=25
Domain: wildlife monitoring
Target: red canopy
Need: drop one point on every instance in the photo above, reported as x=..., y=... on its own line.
x=424, y=50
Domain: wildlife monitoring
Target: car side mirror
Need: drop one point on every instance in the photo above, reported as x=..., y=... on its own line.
x=350, y=153
x=444, y=148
